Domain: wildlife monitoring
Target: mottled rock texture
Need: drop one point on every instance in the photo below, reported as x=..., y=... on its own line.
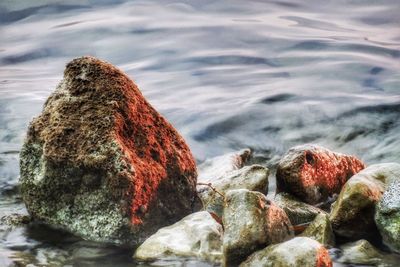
x=195, y=236
x=254, y=178
x=299, y=251
x=321, y=230
x=387, y=216
x=352, y=214
x=362, y=252
x=251, y=222
x=298, y=212
x=313, y=173
x=101, y=162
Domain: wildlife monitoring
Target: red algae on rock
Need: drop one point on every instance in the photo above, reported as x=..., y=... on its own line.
x=313, y=173
x=101, y=162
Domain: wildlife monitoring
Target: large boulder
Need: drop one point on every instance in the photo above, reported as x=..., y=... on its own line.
x=212, y=192
x=299, y=251
x=363, y=253
x=313, y=173
x=321, y=230
x=299, y=213
x=102, y=163
x=352, y=215
x=195, y=236
x=387, y=215
x=251, y=222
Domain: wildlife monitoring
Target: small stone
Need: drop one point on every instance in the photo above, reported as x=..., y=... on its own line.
x=313, y=173
x=254, y=178
x=361, y=252
x=197, y=235
x=298, y=212
x=251, y=223
x=321, y=230
x=352, y=215
x=387, y=215
x=299, y=251
x=220, y=166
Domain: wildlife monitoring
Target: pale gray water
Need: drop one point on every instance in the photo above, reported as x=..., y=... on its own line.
x=228, y=74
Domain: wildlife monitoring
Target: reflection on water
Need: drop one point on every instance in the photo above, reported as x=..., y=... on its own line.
x=228, y=74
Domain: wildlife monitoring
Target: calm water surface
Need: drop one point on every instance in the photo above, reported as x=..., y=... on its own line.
x=228, y=74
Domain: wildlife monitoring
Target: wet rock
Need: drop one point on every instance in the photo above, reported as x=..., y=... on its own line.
x=361, y=252
x=298, y=212
x=387, y=216
x=299, y=251
x=101, y=162
x=254, y=178
x=321, y=230
x=251, y=222
x=352, y=215
x=15, y=220
x=197, y=235
x=313, y=173
x=219, y=166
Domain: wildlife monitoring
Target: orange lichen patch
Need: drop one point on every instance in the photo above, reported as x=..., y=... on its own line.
x=323, y=258
x=313, y=173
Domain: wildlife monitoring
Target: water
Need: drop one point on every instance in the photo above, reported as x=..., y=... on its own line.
x=228, y=74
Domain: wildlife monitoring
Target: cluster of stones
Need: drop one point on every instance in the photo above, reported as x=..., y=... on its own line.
x=101, y=163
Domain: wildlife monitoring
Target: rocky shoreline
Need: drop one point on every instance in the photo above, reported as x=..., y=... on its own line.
x=101, y=163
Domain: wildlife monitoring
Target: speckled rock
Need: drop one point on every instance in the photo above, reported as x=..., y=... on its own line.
x=321, y=230
x=298, y=212
x=100, y=161
x=387, y=216
x=195, y=236
x=362, y=252
x=352, y=215
x=219, y=166
x=254, y=178
x=299, y=251
x=313, y=173
x=251, y=222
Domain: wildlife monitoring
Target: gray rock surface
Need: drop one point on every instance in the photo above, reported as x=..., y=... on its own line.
x=254, y=178
x=299, y=251
x=251, y=222
x=352, y=214
x=195, y=236
x=102, y=163
x=387, y=215
x=321, y=230
x=297, y=211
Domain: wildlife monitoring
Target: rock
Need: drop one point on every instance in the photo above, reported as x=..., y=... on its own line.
x=15, y=220
x=219, y=166
x=254, y=178
x=299, y=213
x=102, y=163
x=321, y=230
x=197, y=235
x=251, y=222
x=313, y=173
x=361, y=252
x=352, y=215
x=299, y=251
x=387, y=215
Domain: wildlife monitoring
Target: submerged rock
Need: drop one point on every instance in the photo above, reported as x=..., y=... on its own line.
x=387, y=216
x=321, y=230
x=254, y=178
x=298, y=212
x=361, y=252
x=197, y=235
x=299, y=251
x=313, y=173
x=219, y=166
x=251, y=222
x=352, y=215
x=101, y=162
